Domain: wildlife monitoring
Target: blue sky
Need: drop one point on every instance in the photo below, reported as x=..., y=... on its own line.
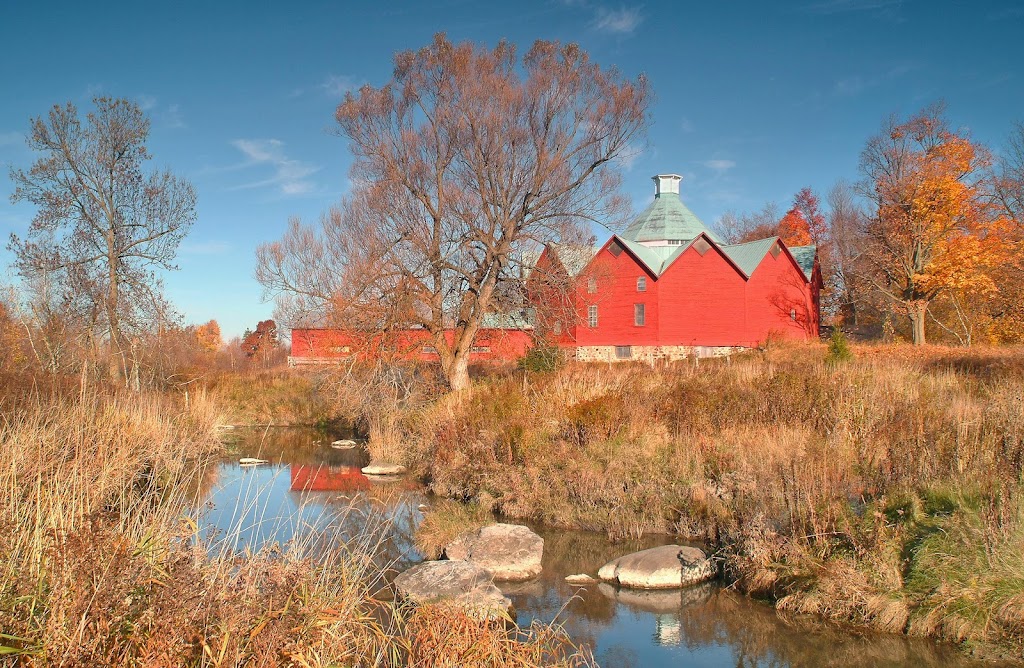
x=754, y=100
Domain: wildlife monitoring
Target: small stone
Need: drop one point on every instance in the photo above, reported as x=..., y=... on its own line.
x=252, y=461
x=665, y=567
x=580, y=579
x=344, y=444
x=383, y=468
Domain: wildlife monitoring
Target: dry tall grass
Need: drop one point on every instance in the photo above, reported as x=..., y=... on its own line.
x=100, y=563
x=884, y=490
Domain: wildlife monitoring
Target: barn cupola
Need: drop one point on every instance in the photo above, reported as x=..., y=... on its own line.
x=666, y=184
x=667, y=221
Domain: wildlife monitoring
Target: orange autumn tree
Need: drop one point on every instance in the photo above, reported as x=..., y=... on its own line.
x=794, y=229
x=208, y=336
x=932, y=230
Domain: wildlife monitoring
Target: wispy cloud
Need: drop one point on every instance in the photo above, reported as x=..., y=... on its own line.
x=172, y=117
x=858, y=83
x=333, y=85
x=289, y=175
x=11, y=138
x=621, y=21
x=165, y=116
x=204, y=248
x=628, y=157
x=336, y=85
x=847, y=6
x=720, y=165
x=686, y=125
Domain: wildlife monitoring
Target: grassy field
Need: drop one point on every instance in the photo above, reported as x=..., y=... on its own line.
x=100, y=566
x=883, y=491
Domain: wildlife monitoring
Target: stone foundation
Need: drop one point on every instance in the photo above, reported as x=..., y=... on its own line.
x=651, y=354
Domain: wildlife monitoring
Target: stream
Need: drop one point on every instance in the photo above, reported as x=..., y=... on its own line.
x=310, y=490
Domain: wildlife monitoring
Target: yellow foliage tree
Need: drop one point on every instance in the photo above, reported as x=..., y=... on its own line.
x=208, y=336
x=933, y=231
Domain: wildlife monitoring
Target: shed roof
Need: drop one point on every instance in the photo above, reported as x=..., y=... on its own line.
x=666, y=218
x=748, y=255
x=804, y=256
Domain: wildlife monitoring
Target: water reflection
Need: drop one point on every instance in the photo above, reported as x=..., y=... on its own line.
x=315, y=496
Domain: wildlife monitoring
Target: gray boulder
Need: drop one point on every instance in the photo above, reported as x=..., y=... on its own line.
x=509, y=552
x=455, y=582
x=383, y=468
x=665, y=567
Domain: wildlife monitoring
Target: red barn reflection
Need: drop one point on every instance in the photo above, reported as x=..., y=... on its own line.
x=306, y=478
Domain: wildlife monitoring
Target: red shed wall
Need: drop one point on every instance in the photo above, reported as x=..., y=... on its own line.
x=504, y=344
x=776, y=292
x=703, y=301
x=615, y=299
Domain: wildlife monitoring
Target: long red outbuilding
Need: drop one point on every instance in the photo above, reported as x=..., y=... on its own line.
x=666, y=288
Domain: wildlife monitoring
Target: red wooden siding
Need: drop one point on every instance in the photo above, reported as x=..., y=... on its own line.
x=492, y=345
x=698, y=300
x=615, y=298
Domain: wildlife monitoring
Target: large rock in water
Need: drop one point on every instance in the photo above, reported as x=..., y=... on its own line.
x=665, y=567
x=383, y=468
x=509, y=552
x=457, y=582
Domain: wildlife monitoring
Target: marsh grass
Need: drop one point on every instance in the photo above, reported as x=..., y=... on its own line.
x=102, y=561
x=884, y=490
x=445, y=521
x=270, y=397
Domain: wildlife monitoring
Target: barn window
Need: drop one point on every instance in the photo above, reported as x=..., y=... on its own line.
x=776, y=249
x=592, y=315
x=591, y=285
x=615, y=248
x=480, y=349
x=792, y=314
x=557, y=327
x=639, y=315
x=429, y=350
x=641, y=284
x=675, y=242
x=701, y=246
x=624, y=352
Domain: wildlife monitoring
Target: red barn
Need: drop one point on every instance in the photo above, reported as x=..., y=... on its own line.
x=667, y=287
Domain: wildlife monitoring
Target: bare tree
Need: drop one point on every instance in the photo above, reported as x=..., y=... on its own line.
x=846, y=223
x=738, y=228
x=101, y=220
x=466, y=162
x=1009, y=179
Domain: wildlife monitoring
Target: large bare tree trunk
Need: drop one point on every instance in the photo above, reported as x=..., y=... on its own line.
x=458, y=377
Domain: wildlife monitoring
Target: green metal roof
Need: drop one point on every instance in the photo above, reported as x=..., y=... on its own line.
x=657, y=258
x=666, y=218
x=574, y=257
x=748, y=255
x=804, y=256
